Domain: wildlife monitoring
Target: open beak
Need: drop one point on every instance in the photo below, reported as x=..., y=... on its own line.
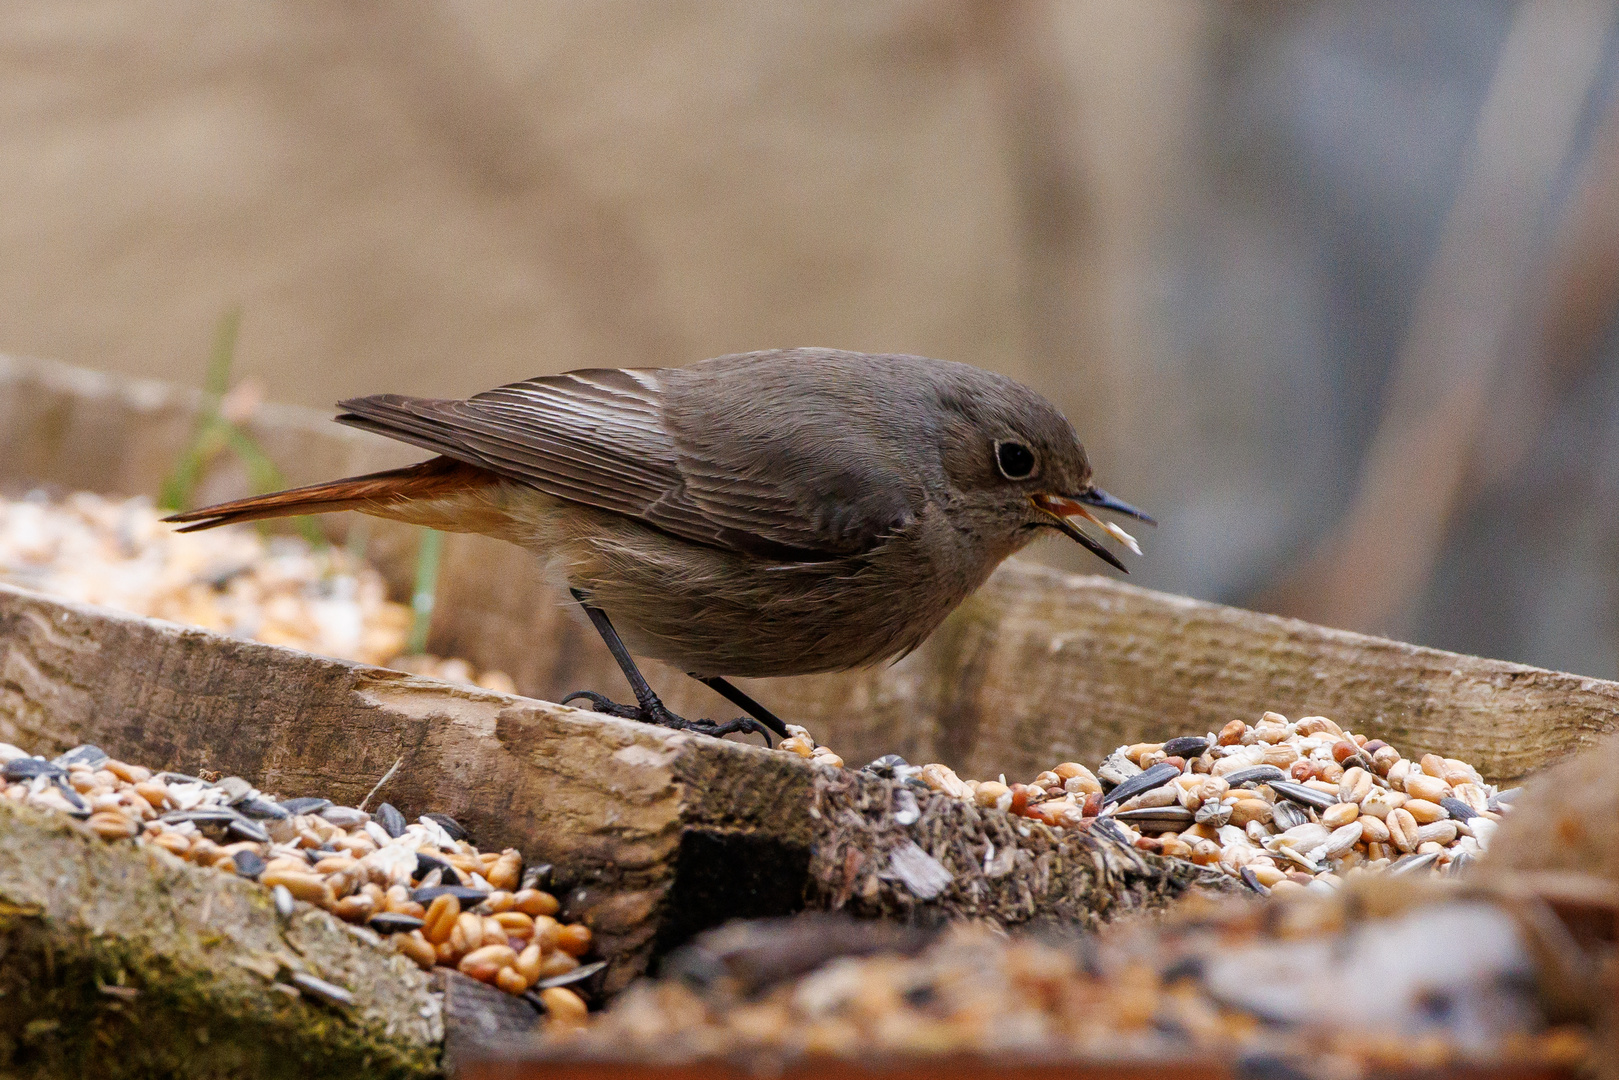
x=1062, y=507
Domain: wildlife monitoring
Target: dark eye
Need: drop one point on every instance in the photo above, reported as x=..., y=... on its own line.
x=1015, y=460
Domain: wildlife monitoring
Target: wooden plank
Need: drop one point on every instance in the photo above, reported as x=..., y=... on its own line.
x=609, y=800
x=1038, y=667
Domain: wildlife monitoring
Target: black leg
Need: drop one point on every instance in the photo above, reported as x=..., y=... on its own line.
x=743, y=702
x=648, y=708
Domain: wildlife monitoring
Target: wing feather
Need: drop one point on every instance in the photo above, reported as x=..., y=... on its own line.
x=723, y=476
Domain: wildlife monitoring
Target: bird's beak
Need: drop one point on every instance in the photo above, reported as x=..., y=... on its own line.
x=1062, y=507
x=1095, y=496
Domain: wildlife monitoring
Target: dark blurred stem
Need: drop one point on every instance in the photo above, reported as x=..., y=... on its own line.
x=421, y=599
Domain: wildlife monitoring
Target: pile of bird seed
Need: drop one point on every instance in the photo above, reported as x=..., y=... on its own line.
x=1280, y=804
x=118, y=553
x=1434, y=980
x=419, y=886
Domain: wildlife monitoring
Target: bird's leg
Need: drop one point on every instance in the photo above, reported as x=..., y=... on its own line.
x=742, y=701
x=647, y=708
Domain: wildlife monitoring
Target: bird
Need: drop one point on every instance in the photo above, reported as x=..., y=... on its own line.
x=776, y=513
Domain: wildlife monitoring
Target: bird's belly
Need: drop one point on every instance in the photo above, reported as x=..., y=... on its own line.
x=831, y=625
x=714, y=612
x=717, y=614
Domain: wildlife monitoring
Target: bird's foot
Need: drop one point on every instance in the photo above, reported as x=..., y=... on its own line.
x=655, y=712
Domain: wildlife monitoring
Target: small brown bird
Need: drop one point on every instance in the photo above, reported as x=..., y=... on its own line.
x=771, y=513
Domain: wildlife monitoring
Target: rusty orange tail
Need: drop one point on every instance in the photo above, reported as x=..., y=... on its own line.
x=375, y=492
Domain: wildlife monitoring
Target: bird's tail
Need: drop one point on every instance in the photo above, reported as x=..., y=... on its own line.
x=376, y=493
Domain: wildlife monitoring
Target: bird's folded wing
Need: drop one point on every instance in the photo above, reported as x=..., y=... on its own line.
x=597, y=437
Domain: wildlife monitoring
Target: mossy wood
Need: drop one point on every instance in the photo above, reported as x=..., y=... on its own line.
x=124, y=961
x=655, y=834
x=1037, y=668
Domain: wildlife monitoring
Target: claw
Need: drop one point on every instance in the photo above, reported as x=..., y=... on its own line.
x=603, y=704
x=743, y=724
x=660, y=715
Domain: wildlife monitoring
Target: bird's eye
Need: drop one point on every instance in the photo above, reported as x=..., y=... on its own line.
x=1015, y=460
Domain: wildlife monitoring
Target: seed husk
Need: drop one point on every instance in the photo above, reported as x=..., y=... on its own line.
x=320, y=988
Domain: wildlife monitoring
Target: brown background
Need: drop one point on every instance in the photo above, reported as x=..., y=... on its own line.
x=1234, y=242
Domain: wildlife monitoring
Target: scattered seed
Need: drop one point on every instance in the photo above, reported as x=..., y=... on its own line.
x=392, y=821
x=320, y=988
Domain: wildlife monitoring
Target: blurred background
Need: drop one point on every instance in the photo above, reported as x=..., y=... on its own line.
x=1328, y=286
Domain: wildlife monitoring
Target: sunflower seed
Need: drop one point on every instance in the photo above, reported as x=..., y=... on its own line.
x=263, y=809
x=1309, y=796
x=242, y=827
x=1289, y=816
x=1410, y=864
x=578, y=974
x=248, y=864
x=1187, y=746
x=1258, y=774
x=29, y=767
x=466, y=896
x=203, y=815
x=1157, y=776
x=1110, y=829
x=392, y=922
x=1156, y=818
x=1458, y=809
x=86, y=754
x=426, y=864
x=391, y=820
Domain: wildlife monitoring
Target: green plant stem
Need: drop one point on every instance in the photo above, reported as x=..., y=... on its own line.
x=214, y=434
x=422, y=596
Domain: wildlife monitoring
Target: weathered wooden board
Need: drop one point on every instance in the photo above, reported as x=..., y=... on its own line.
x=656, y=834
x=610, y=800
x=123, y=962
x=1039, y=667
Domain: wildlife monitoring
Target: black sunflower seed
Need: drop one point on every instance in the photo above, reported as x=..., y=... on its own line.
x=1187, y=746
x=1157, y=776
x=392, y=922
x=391, y=820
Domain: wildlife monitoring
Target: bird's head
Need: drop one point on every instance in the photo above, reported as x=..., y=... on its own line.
x=1020, y=468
